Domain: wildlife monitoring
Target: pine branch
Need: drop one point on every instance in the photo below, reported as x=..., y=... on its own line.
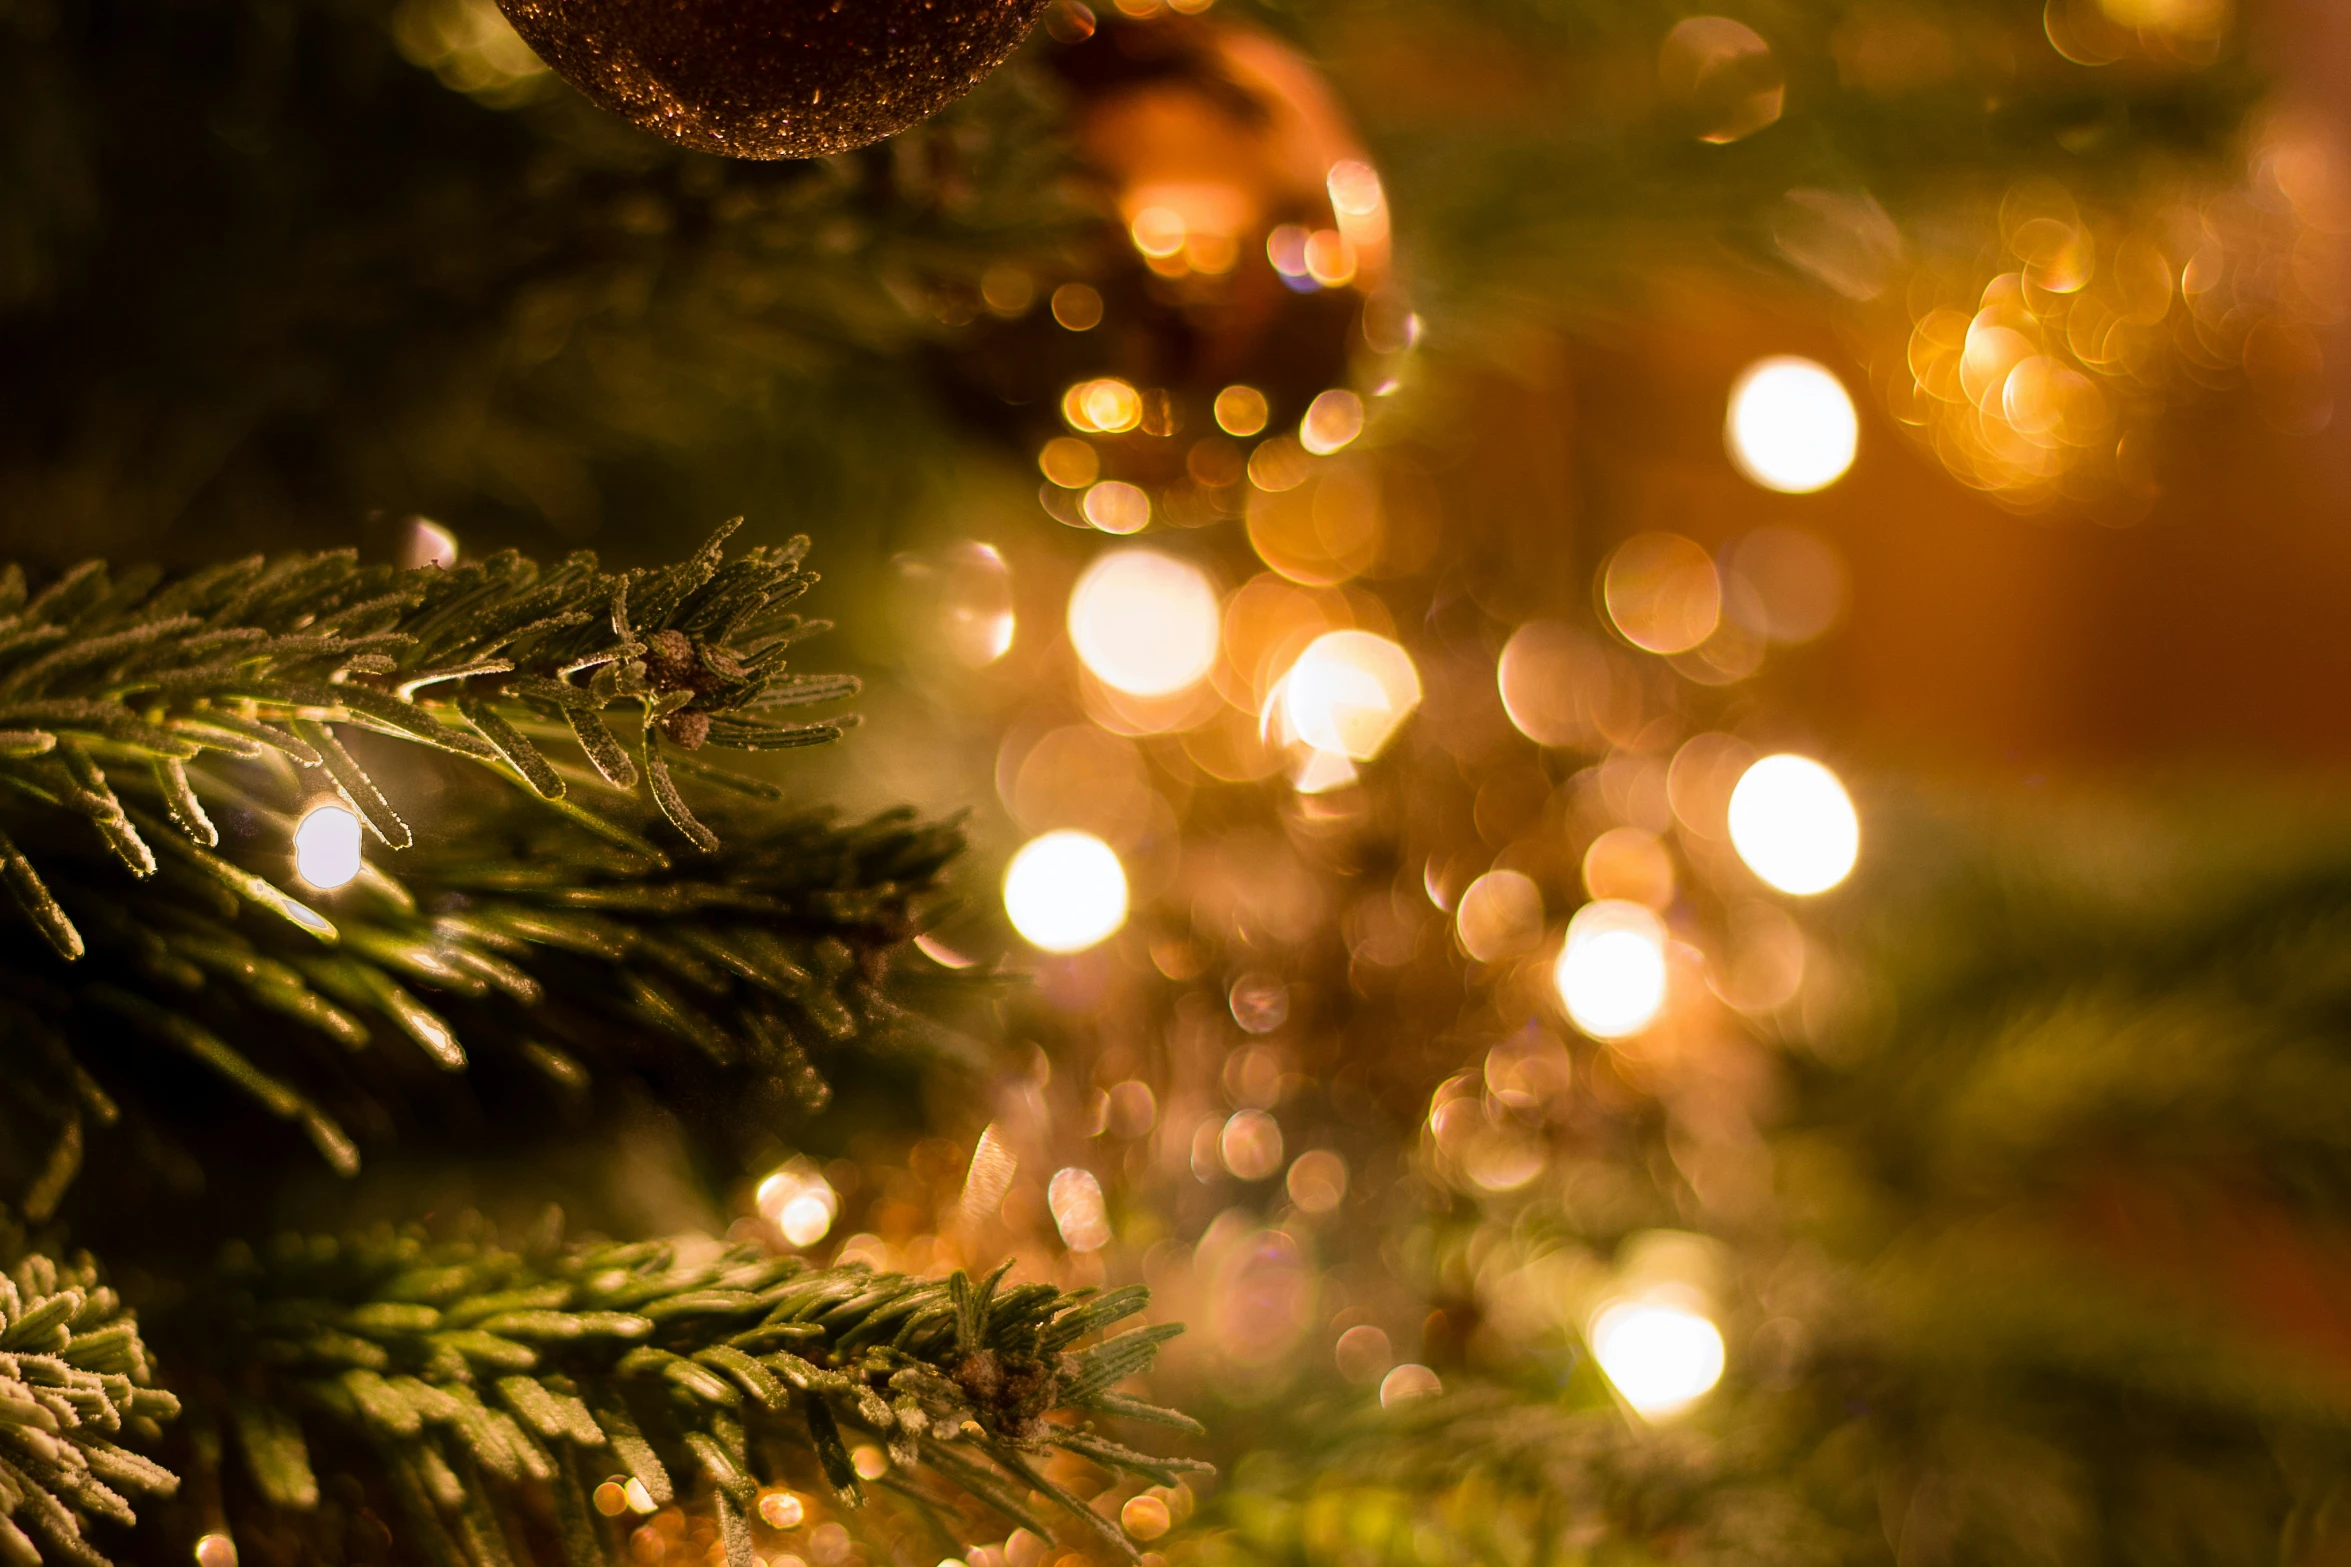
x=516, y=1380
x=186, y=726
x=492, y=661
x=74, y=1384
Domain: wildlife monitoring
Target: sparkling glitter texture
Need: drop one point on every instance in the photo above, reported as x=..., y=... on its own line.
x=773, y=78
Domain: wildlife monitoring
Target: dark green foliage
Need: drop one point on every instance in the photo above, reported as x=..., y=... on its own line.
x=163, y=738
x=74, y=1384
x=260, y=274
x=495, y=1388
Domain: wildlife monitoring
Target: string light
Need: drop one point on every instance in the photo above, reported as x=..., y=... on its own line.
x=1611, y=971
x=1145, y=622
x=326, y=846
x=1794, y=825
x=1065, y=891
x=1792, y=427
x=1662, y=1356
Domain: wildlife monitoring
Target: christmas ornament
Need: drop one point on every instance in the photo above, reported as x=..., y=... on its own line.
x=773, y=78
x=1204, y=338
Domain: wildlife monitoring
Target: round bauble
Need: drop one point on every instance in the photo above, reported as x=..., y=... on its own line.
x=1236, y=280
x=773, y=78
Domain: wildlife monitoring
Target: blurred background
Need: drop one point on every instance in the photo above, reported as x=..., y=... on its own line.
x=1652, y=694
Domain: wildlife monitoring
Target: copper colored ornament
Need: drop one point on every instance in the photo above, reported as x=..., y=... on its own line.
x=1213, y=147
x=773, y=78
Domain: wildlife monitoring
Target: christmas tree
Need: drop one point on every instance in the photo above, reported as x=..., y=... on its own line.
x=1343, y=581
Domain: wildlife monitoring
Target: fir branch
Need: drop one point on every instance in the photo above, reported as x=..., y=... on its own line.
x=111, y=673
x=513, y=1377
x=178, y=723
x=74, y=1383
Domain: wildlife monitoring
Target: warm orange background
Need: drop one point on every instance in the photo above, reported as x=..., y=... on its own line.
x=2217, y=630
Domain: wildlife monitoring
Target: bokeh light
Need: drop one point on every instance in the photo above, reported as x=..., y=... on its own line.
x=1555, y=683
x=1241, y=410
x=1107, y=406
x=428, y=544
x=1791, y=426
x=1784, y=584
x=1632, y=864
x=1500, y=916
x=1077, y=307
x=1075, y=1201
x=1662, y=1356
x=1794, y=825
x=1065, y=891
x=1070, y=462
x=1661, y=592
x=326, y=846
x=1116, y=506
x=1145, y=622
x=960, y=599
x=1144, y=1517
x=1348, y=694
x=1363, y=1353
x=214, y=1550
x=1251, y=1144
x=1318, y=1181
x=1333, y=420
x=799, y=1202
x=1407, y=1383
x=1722, y=77
x=1611, y=972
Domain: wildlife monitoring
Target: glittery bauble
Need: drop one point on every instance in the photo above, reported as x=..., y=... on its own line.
x=1237, y=279
x=773, y=78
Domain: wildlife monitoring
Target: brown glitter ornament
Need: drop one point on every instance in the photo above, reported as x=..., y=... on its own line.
x=773, y=78
x=1237, y=279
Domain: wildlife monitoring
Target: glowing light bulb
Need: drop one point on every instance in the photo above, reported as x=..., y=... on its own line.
x=1611, y=972
x=1791, y=427
x=1794, y=825
x=1661, y=1356
x=1347, y=694
x=1145, y=622
x=216, y=1550
x=1065, y=891
x=326, y=846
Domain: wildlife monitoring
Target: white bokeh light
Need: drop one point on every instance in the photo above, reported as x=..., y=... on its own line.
x=1794, y=825
x=1075, y=1200
x=326, y=846
x=1791, y=426
x=799, y=1202
x=1065, y=891
x=1145, y=622
x=1611, y=972
x=1662, y=1356
x=1346, y=696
